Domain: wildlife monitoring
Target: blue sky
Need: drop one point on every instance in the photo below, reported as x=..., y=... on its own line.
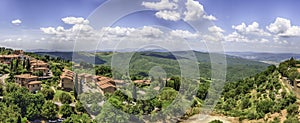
x=37, y=14
x=233, y=12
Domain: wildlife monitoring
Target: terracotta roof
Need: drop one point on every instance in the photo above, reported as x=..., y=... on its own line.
x=88, y=75
x=34, y=82
x=96, y=77
x=9, y=56
x=106, y=86
x=102, y=78
x=38, y=63
x=81, y=75
x=66, y=77
x=25, y=76
x=66, y=70
x=40, y=68
x=142, y=81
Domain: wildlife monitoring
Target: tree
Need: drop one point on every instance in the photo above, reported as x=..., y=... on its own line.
x=177, y=83
x=203, y=90
x=292, y=109
x=79, y=107
x=109, y=114
x=103, y=70
x=9, y=114
x=245, y=103
x=66, y=110
x=28, y=65
x=216, y=121
x=83, y=118
x=48, y=93
x=49, y=110
x=1, y=90
x=293, y=119
x=65, y=98
x=32, y=112
x=95, y=109
x=76, y=86
x=264, y=106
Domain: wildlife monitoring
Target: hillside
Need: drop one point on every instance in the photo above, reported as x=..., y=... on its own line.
x=142, y=62
x=263, y=97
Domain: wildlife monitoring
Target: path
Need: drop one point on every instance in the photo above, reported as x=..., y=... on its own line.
x=60, y=104
x=2, y=78
x=200, y=118
x=285, y=84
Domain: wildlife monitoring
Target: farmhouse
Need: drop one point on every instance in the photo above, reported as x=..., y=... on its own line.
x=66, y=80
x=29, y=81
x=7, y=59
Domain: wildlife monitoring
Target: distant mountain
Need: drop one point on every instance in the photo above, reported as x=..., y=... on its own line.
x=274, y=58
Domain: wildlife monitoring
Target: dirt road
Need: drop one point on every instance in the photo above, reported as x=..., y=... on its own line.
x=199, y=118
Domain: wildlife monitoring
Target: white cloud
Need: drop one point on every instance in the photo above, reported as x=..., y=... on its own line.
x=215, y=34
x=183, y=34
x=283, y=27
x=49, y=30
x=279, y=26
x=236, y=37
x=75, y=20
x=215, y=29
x=163, y=4
x=210, y=17
x=118, y=31
x=168, y=15
x=194, y=11
x=292, y=31
x=170, y=10
x=252, y=29
x=16, y=22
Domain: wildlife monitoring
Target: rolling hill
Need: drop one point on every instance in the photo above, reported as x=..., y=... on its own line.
x=142, y=62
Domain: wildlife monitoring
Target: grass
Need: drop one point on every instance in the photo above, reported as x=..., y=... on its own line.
x=57, y=95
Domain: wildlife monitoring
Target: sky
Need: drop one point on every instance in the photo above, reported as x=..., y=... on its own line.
x=203, y=25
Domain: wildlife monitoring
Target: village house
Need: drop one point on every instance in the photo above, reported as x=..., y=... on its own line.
x=66, y=80
x=34, y=86
x=88, y=78
x=29, y=81
x=108, y=88
x=18, y=52
x=7, y=59
x=39, y=66
x=106, y=84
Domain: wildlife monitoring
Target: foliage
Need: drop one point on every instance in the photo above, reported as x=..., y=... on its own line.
x=65, y=98
x=66, y=110
x=83, y=118
x=79, y=107
x=216, y=121
x=49, y=110
x=255, y=96
x=9, y=113
x=48, y=93
x=103, y=70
